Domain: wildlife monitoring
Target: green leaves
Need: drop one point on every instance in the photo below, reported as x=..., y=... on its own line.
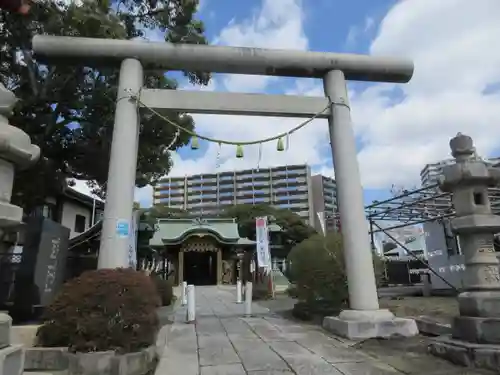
x=69, y=110
x=294, y=229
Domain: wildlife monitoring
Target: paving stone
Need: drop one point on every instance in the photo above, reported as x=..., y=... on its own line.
x=302, y=361
x=265, y=330
x=237, y=328
x=209, y=326
x=366, y=368
x=225, y=342
x=261, y=357
x=234, y=369
x=270, y=372
x=217, y=355
x=334, y=354
x=173, y=363
x=218, y=340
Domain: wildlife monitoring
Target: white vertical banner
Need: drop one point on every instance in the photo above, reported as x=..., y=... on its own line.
x=132, y=246
x=321, y=219
x=262, y=239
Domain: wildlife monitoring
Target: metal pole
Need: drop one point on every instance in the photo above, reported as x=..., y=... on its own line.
x=357, y=253
x=372, y=235
x=113, y=251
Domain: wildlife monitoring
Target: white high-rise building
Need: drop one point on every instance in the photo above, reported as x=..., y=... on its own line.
x=430, y=173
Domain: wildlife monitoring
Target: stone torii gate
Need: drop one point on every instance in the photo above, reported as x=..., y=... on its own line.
x=334, y=69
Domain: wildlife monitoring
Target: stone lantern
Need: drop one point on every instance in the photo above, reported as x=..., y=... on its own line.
x=15, y=150
x=476, y=331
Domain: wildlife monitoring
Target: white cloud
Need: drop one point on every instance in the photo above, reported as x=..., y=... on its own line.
x=401, y=127
x=357, y=31
x=451, y=43
x=277, y=24
x=268, y=27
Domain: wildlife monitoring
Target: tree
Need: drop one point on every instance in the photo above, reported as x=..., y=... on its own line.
x=69, y=110
x=165, y=212
x=294, y=229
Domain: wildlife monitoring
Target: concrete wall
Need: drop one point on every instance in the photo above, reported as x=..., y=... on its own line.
x=69, y=212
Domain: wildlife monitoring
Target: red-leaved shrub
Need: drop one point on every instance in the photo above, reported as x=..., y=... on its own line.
x=109, y=309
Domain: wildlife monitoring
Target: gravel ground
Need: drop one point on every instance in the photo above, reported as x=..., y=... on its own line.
x=443, y=309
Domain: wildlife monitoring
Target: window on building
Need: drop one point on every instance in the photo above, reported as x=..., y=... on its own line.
x=79, y=223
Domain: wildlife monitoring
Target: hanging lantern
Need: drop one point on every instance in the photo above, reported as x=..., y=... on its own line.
x=280, y=146
x=195, y=145
x=239, y=151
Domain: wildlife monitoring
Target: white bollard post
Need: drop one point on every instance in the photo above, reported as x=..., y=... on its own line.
x=248, y=299
x=238, y=291
x=191, y=304
x=184, y=294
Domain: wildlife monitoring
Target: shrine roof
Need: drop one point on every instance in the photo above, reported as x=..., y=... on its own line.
x=175, y=231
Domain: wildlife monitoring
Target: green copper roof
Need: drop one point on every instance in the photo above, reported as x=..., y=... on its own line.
x=175, y=231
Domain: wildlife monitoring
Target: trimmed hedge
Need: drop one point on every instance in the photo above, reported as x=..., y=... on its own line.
x=165, y=290
x=320, y=280
x=109, y=309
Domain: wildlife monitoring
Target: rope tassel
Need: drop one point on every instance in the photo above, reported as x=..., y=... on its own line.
x=195, y=145
x=239, y=151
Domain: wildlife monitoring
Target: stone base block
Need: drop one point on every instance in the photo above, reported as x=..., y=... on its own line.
x=475, y=329
x=479, y=303
x=12, y=360
x=428, y=326
x=360, y=325
x=46, y=359
x=465, y=353
x=5, y=326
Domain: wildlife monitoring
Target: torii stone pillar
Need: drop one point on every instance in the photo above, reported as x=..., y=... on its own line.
x=475, y=335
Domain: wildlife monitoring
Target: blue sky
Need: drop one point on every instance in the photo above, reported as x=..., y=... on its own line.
x=336, y=26
x=399, y=128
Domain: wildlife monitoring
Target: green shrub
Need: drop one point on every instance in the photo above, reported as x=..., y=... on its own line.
x=319, y=273
x=292, y=291
x=102, y=310
x=165, y=289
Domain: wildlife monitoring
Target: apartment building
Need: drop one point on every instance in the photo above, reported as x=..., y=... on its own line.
x=324, y=193
x=430, y=173
x=287, y=187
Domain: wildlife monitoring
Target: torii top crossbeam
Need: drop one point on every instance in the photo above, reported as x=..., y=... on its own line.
x=219, y=59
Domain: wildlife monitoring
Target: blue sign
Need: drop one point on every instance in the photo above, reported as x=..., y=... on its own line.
x=122, y=228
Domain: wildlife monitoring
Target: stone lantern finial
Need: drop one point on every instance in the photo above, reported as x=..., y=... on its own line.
x=462, y=147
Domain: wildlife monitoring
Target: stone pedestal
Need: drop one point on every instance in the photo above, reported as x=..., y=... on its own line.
x=361, y=325
x=11, y=356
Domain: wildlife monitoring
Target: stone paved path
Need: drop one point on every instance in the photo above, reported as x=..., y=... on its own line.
x=224, y=342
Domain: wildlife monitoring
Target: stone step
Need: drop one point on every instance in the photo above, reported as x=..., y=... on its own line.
x=12, y=360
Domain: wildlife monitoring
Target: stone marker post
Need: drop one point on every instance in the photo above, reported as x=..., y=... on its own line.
x=15, y=150
x=476, y=331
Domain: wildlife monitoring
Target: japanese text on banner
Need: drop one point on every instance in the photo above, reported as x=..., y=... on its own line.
x=262, y=237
